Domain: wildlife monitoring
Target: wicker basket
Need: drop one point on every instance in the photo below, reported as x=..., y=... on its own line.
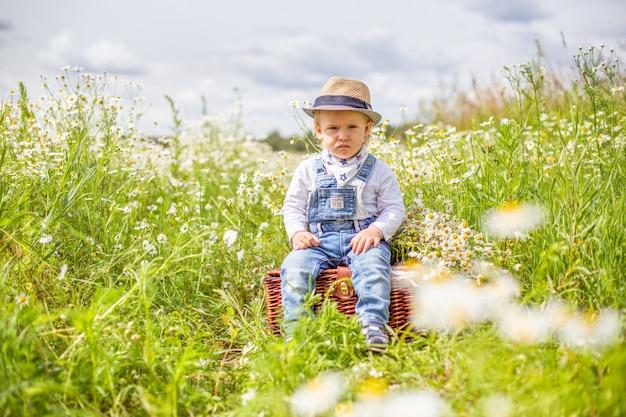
x=335, y=283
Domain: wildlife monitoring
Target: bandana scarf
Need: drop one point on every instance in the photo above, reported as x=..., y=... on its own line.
x=344, y=169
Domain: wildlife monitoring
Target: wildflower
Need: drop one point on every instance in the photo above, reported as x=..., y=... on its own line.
x=500, y=292
x=374, y=387
x=161, y=238
x=318, y=395
x=344, y=410
x=582, y=333
x=414, y=404
x=498, y=405
x=21, y=300
x=524, y=325
x=184, y=228
x=62, y=271
x=45, y=239
x=143, y=224
x=250, y=394
x=230, y=236
x=240, y=255
x=514, y=219
x=448, y=305
x=149, y=247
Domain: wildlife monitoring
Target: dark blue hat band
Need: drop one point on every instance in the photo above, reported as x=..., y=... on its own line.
x=348, y=101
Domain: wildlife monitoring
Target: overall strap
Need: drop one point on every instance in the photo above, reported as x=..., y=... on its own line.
x=366, y=168
x=319, y=167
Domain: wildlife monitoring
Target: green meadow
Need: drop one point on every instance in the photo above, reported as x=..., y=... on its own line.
x=132, y=267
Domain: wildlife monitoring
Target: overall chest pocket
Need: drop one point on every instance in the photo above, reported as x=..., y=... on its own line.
x=337, y=203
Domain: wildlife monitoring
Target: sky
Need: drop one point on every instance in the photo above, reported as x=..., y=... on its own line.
x=259, y=56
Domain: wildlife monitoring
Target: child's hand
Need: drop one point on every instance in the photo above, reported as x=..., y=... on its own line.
x=366, y=239
x=303, y=240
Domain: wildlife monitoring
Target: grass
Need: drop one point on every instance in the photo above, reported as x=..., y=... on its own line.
x=132, y=267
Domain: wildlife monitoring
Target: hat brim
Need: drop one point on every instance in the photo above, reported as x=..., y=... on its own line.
x=373, y=116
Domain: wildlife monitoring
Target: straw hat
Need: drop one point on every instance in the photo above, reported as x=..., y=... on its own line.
x=344, y=94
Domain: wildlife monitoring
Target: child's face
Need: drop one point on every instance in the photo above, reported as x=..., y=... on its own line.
x=342, y=132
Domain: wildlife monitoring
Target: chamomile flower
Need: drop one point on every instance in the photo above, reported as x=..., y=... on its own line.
x=414, y=404
x=21, y=300
x=513, y=220
x=143, y=224
x=524, y=325
x=318, y=395
x=62, y=272
x=447, y=305
x=587, y=333
x=230, y=236
x=45, y=239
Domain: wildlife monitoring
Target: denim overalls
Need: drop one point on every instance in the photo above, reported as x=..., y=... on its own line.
x=331, y=218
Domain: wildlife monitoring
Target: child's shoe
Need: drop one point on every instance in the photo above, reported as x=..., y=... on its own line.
x=376, y=338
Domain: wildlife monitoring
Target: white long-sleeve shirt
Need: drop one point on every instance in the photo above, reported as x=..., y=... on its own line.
x=381, y=197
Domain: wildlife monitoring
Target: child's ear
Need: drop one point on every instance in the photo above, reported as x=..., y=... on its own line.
x=368, y=127
x=317, y=129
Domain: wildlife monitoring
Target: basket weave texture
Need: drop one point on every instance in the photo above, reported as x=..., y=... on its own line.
x=335, y=284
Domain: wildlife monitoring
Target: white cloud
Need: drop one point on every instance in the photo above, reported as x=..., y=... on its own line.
x=60, y=51
x=103, y=55
x=520, y=11
x=111, y=56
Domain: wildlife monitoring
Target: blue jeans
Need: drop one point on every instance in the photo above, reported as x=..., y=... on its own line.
x=371, y=272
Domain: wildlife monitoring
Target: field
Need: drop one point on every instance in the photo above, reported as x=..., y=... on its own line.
x=132, y=268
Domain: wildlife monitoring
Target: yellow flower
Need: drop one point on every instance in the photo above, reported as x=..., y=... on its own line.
x=343, y=410
x=373, y=388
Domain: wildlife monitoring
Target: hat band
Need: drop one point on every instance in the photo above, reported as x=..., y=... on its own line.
x=348, y=101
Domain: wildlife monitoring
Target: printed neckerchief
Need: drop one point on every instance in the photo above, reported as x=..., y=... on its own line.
x=343, y=169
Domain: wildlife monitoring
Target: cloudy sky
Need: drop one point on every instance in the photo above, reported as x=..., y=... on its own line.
x=271, y=52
